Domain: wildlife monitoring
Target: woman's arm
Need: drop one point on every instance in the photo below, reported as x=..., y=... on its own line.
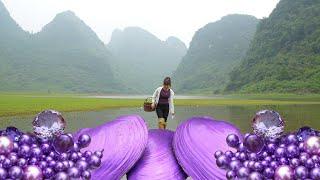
x=171, y=104
x=154, y=96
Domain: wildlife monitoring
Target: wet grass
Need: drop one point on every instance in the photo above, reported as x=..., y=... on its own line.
x=24, y=104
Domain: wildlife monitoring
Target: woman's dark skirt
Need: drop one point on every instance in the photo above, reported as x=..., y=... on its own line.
x=163, y=111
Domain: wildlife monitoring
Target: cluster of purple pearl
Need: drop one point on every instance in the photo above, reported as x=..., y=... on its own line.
x=25, y=156
x=291, y=156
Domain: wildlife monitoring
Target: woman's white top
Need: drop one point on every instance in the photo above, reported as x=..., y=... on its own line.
x=156, y=96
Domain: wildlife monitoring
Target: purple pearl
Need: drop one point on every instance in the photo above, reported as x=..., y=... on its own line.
x=3, y=173
x=271, y=147
x=15, y=147
x=258, y=166
x=268, y=159
x=52, y=164
x=65, y=164
x=25, y=139
x=230, y=175
x=253, y=143
x=33, y=172
x=74, y=172
x=237, y=154
x=63, y=143
x=221, y=162
x=246, y=163
x=13, y=158
x=268, y=172
x=265, y=163
x=264, y=154
x=243, y=156
x=280, y=152
x=89, y=153
x=24, y=151
x=95, y=162
x=6, y=145
x=301, y=172
x=6, y=163
x=294, y=162
x=59, y=167
x=74, y=156
x=216, y=154
x=33, y=161
x=22, y=162
x=235, y=165
x=255, y=176
x=71, y=163
x=45, y=148
x=86, y=175
x=232, y=140
x=34, y=145
x=83, y=165
x=75, y=147
x=303, y=157
x=283, y=161
x=63, y=156
x=2, y=158
x=79, y=154
x=283, y=172
x=243, y=172
x=242, y=148
x=52, y=154
x=274, y=164
x=315, y=158
x=301, y=146
x=229, y=154
x=309, y=163
x=15, y=172
x=48, y=173
x=251, y=164
x=84, y=140
x=292, y=151
x=99, y=154
x=253, y=156
x=315, y=173
x=61, y=176
x=42, y=164
x=291, y=139
x=36, y=152
x=49, y=158
x=283, y=145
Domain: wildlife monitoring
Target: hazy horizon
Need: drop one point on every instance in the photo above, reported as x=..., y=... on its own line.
x=163, y=19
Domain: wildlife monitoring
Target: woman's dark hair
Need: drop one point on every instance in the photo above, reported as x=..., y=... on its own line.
x=167, y=81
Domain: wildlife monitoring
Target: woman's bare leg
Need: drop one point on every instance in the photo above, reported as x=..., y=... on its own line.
x=162, y=123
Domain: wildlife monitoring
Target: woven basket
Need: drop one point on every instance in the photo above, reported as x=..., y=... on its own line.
x=147, y=105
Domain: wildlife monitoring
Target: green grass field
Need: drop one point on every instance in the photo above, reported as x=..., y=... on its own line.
x=24, y=104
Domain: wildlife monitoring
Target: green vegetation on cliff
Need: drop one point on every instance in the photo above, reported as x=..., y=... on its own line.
x=284, y=56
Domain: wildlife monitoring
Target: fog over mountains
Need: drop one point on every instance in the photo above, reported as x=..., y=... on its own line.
x=237, y=53
x=142, y=60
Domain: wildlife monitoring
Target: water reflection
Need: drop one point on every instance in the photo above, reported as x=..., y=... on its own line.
x=295, y=116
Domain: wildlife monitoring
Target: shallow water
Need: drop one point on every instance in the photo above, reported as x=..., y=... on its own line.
x=295, y=116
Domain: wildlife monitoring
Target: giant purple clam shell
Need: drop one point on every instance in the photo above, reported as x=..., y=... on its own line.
x=123, y=140
x=158, y=161
x=195, y=142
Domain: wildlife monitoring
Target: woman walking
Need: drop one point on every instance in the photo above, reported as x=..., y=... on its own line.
x=162, y=100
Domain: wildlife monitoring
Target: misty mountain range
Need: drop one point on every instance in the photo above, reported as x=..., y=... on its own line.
x=237, y=53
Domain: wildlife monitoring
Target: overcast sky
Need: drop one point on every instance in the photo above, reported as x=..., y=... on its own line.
x=180, y=18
